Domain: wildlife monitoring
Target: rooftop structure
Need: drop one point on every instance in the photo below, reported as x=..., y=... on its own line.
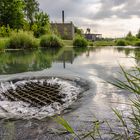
x=93, y=37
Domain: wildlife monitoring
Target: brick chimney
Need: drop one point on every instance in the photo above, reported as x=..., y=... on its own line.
x=63, y=17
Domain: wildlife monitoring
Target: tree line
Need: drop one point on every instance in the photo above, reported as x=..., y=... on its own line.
x=23, y=14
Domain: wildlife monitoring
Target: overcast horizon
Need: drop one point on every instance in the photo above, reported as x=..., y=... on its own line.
x=112, y=18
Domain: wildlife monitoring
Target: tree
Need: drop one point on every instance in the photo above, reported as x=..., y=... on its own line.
x=41, y=19
x=129, y=34
x=31, y=8
x=138, y=34
x=11, y=13
x=88, y=31
x=130, y=37
x=78, y=31
x=41, y=24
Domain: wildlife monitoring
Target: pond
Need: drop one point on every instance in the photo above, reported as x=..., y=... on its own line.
x=97, y=66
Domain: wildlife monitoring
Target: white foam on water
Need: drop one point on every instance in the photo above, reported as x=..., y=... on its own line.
x=20, y=109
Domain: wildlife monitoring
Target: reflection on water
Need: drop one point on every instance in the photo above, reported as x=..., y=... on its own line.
x=23, y=61
x=131, y=52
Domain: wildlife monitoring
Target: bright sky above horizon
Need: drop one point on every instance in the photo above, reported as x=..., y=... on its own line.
x=112, y=18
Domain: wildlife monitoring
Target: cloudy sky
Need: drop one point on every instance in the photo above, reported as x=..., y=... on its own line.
x=112, y=18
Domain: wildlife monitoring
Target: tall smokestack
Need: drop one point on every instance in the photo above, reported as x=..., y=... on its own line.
x=63, y=17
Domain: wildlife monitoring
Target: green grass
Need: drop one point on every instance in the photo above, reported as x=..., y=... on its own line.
x=128, y=42
x=68, y=42
x=104, y=43
x=68, y=129
x=90, y=43
x=118, y=42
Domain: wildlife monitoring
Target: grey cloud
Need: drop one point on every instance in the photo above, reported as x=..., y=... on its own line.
x=131, y=7
x=54, y=8
x=79, y=8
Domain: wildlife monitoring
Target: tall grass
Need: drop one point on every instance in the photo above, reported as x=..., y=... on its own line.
x=131, y=84
x=130, y=125
x=95, y=132
x=22, y=40
x=4, y=42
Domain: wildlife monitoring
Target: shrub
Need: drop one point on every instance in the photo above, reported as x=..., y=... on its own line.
x=5, y=31
x=133, y=38
x=40, y=31
x=80, y=42
x=137, y=43
x=22, y=40
x=130, y=37
x=121, y=43
x=3, y=44
x=51, y=41
x=90, y=43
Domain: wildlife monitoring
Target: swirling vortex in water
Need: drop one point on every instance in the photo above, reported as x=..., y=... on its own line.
x=37, y=98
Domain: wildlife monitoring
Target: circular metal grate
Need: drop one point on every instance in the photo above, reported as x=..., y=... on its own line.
x=38, y=97
x=36, y=93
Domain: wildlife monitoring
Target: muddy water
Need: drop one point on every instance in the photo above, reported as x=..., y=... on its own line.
x=95, y=65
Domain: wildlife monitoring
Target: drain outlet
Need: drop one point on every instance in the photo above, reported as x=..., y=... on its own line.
x=37, y=98
x=36, y=93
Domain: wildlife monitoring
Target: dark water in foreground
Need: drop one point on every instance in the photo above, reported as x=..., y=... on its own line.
x=96, y=65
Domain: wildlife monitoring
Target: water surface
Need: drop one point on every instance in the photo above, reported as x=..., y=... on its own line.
x=96, y=65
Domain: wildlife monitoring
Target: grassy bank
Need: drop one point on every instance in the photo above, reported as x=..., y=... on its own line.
x=107, y=43
x=104, y=43
x=117, y=42
x=25, y=40
x=96, y=43
x=127, y=42
x=68, y=42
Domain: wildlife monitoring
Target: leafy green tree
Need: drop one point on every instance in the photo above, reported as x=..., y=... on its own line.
x=130, y=37
x=129, y=34
x=41, y=24
x=5, y=31
x=41, y=19
x=138, y=34
x=78, y=31
x=11, y=13
x=31, y=8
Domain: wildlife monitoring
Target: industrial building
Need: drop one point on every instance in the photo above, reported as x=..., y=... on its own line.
x=65, y=30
